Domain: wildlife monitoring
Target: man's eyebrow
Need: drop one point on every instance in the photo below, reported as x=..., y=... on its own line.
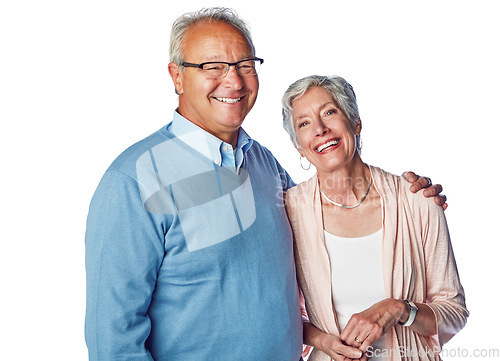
x=219, y=59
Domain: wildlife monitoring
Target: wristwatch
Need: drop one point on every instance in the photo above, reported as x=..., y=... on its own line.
x=413, y=313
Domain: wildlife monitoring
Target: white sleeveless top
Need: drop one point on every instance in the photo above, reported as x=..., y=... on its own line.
x=357, y=280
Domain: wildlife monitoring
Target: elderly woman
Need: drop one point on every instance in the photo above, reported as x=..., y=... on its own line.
x=374, y=261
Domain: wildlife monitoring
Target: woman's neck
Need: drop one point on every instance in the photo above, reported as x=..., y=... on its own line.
x=347, y=184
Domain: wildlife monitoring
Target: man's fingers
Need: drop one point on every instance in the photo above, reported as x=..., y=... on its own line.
x=410, y=176
x=420, y=183
x=433, y=190
x=440, y=200
x=424, y=182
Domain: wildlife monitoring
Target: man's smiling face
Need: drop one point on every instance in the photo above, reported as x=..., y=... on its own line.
x=217, y=105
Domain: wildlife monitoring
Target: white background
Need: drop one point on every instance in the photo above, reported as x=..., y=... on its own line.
x=82, y=80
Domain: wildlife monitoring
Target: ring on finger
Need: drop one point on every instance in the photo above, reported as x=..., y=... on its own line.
x=429, y=180
x=358, y=341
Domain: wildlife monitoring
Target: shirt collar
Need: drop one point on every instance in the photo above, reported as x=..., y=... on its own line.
x=208, y=144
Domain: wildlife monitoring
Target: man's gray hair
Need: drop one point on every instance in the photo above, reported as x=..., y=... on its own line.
x=214, y=14
x=341, y=91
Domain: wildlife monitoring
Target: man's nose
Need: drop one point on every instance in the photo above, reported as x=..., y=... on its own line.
x=233, y=78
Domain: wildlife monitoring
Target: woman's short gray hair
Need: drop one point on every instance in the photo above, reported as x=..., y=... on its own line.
x=341, y=91
x=214, y=14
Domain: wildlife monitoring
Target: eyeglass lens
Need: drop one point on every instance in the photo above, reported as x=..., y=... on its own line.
x=244, y=68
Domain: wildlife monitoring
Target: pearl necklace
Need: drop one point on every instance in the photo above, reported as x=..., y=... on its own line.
x=344, y=206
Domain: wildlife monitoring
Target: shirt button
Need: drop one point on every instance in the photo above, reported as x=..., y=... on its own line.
x=216, y=161
x=225, y=148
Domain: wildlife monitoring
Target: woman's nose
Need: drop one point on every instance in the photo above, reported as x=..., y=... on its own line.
x=321, y=128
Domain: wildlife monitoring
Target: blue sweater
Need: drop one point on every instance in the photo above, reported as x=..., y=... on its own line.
x=189, y=260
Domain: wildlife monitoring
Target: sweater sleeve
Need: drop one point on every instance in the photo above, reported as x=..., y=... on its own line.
x=124, y=250
x=445, y=295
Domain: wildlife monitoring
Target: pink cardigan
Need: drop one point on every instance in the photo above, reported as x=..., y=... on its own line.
x=418, y=264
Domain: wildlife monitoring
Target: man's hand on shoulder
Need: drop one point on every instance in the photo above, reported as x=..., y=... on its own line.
x=430, y=190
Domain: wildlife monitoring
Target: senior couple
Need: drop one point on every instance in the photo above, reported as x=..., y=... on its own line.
x=190, y=257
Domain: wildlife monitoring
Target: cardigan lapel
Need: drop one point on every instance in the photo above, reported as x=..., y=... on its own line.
x=389, y=221
x=324, y=278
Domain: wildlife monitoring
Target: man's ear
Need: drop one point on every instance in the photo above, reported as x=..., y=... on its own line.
x=176, y=75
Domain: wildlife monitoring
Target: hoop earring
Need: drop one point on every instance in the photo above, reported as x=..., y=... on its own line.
x=302, y=165
x=359, y=142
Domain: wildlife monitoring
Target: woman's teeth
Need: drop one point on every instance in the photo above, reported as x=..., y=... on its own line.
x=326, y=145
x=228, y=100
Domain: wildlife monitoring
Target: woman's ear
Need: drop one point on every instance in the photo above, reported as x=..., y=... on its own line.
x=357, y=128
x=176, y=75
x=299, y=150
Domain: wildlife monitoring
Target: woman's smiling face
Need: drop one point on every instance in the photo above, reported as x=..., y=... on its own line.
x=324, y=134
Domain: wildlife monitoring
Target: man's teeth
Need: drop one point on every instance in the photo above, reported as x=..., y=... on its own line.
x=229, y=100
x=326, y=145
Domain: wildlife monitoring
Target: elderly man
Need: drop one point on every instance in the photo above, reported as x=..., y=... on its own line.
x=188, y=247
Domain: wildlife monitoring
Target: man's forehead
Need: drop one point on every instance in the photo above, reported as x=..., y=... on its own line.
x=214, y=41
x=216, y=29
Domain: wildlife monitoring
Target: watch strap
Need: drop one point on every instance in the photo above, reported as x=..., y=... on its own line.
x=413, y=313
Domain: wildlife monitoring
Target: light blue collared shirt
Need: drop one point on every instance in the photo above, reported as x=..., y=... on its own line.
x=220, y=152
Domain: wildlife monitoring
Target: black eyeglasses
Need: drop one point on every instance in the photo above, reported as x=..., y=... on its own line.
x=219, y=69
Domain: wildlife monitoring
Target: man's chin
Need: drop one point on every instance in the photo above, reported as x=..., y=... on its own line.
x=233, y=120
